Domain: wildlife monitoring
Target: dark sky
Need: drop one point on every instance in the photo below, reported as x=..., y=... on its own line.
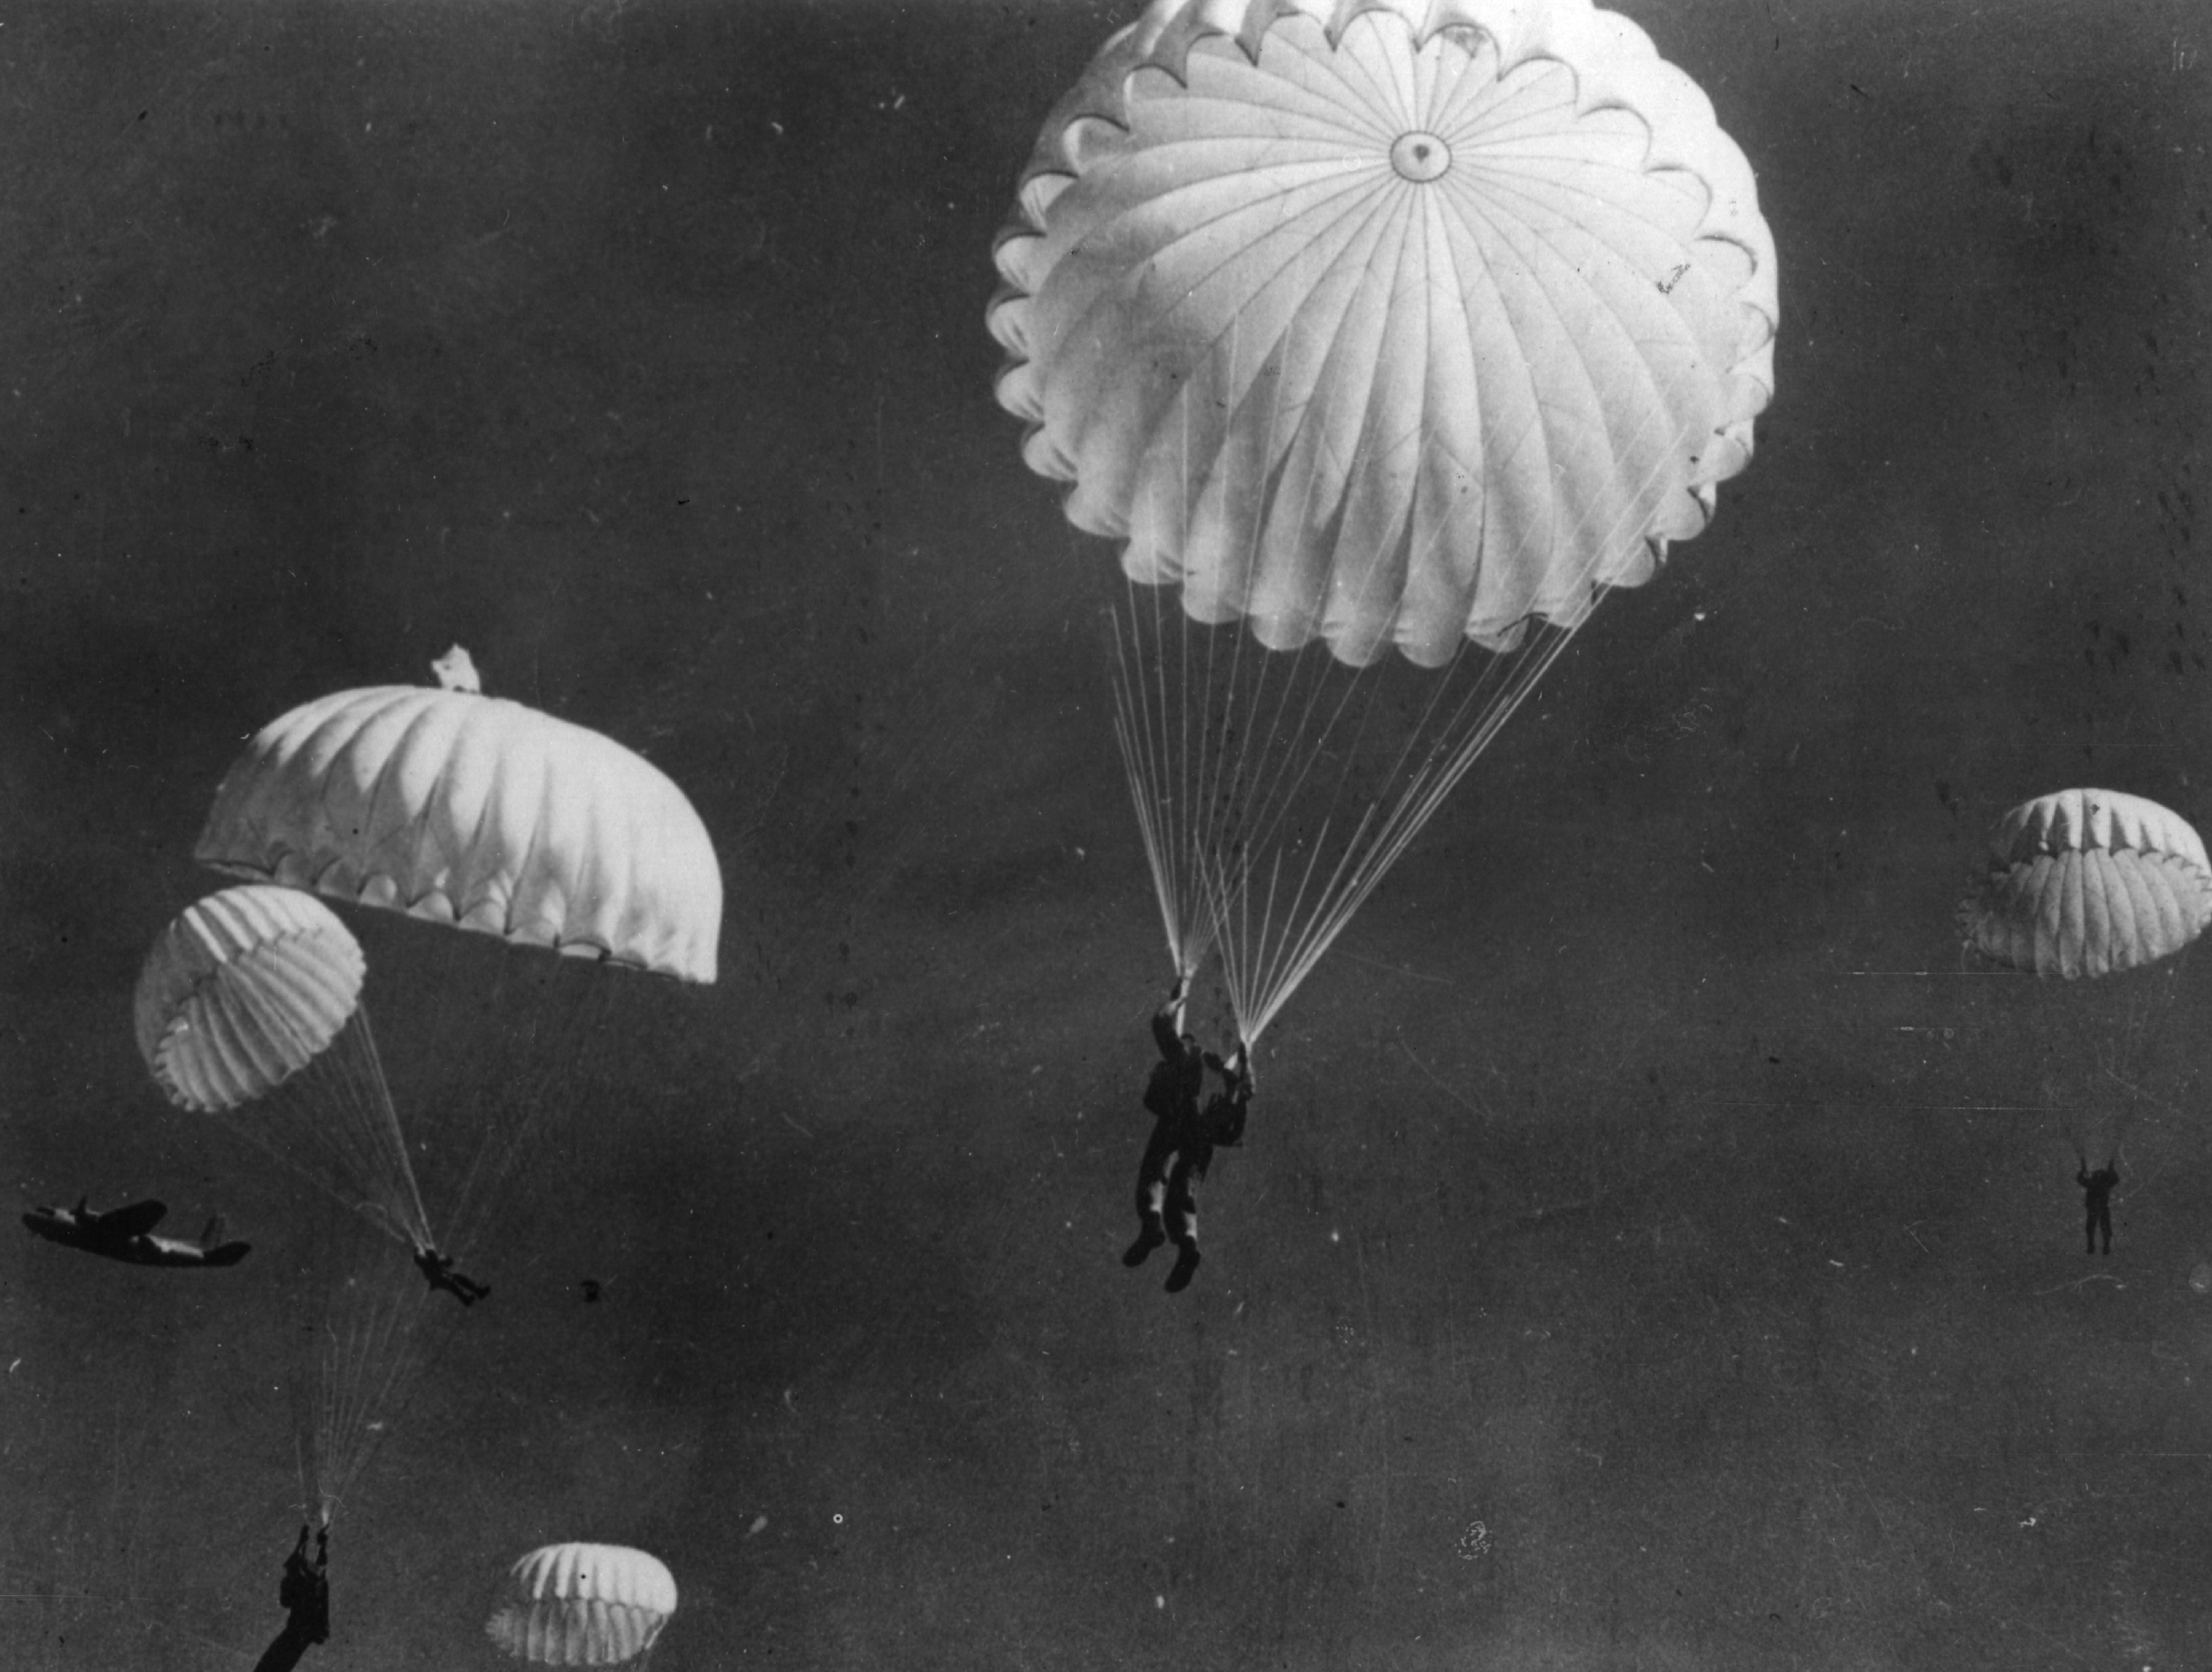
x=1641, y=1179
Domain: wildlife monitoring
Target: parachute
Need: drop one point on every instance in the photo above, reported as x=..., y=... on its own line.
x=2095, y=884
x=2089, y=882
x=244, y=990
x=583, y=1605
x=479, y=812
x=1367, y=325
x=249, y=1010
x=254, y=992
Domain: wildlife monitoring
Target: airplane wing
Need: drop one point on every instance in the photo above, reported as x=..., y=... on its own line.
x=168, y=1251
x=137, y=1219
x=55, y=1224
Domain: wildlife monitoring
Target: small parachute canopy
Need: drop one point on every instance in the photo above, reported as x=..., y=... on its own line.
x=2089, y=882
x=476, y=811
x=241, y=992
x=1388, y=322
x=583, y=1605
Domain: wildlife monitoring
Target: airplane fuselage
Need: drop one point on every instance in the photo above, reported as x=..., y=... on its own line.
x=125, y=1234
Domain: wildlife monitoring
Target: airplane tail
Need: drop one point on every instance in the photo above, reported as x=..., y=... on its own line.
x=217, y=1252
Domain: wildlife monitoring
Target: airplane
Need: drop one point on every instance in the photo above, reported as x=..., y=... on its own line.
x=127, y=1234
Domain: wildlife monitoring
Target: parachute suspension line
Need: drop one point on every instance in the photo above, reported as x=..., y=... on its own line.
x=1140, y=767
x=1248, y=781
x=2150, y=997
x=305, y=1386
x=356, y=1050
x=391, y=1357
x=1192, y=815
x=469, y=1199
x=512, y=1112
x=309, y=1499
x=251, y=1123
x=1201, y=790
x=1224, y=862
x=1261, y=971
x=366, y=1355
x=343, y=1108
x=1291, y=779
x=1224, y=865
x=340, y=1373
x=1268, y=964
x=470, y=1204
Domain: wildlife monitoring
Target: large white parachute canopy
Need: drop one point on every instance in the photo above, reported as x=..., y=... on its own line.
x=1373, y=323
x=479, y=812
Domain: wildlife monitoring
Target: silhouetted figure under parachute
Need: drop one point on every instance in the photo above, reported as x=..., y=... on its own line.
x=305, y=1592
x=2147, y=871
x=438, y=1271
x=1184, y=1137
x=2097, y=1199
